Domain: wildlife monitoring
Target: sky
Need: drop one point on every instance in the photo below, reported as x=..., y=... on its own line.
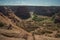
x=31, y=2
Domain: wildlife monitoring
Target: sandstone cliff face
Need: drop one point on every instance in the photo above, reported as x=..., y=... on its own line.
x=10, y=31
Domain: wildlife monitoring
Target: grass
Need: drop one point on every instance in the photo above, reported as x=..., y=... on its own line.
x=37, y=18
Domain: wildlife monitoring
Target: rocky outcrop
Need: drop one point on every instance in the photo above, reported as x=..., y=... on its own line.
x=10, y=31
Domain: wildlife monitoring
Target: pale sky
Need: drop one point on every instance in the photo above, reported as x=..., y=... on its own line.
x=31, y=2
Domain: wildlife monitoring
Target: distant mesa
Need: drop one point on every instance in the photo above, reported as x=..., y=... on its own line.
x=23, y=12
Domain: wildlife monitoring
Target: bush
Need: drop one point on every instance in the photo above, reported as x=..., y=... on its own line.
x=36, y=18
x=57, y=35
x=1, y=24
x=53, y=18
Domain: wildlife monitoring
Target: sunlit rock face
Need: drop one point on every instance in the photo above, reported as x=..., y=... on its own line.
x=23, y=12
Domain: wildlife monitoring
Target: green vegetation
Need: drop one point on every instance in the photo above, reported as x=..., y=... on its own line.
x=53, y=18
x=41, y=25
x=36, y=18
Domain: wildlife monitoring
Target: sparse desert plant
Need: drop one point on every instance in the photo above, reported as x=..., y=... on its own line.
x=58, y=25
x=1, y=24
x=43, y=31
x=53, y=18
x=57, y=35
x=49, y=32
x=31, y=27
x=34, y=17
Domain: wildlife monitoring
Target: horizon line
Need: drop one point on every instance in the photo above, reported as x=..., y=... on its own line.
x=29, y=5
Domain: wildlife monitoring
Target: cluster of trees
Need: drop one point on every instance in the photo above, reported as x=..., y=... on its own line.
x=36, y=18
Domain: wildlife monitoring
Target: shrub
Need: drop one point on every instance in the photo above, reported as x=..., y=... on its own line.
x=53, y=18
x=57, y=35
x=42, y=32
x=36, y=18
x=1, y=24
